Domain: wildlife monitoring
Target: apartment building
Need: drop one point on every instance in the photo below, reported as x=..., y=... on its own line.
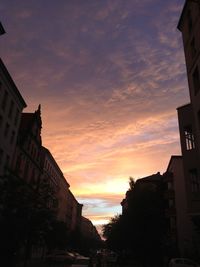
x=179, y=223
x=26, y=164
x=74, y=214
x=189, y=114
x=11, y=106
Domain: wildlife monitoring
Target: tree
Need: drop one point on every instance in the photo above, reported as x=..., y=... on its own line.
x=141, y=227
x=24, y=216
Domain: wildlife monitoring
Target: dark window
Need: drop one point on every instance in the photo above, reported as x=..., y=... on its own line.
x=7, y=128
x=195, y=181
x=189, y=20
x=7, y=161
x=1, y=156
x=12, y=137
x=189, y=138
x=196, y=80
x=4, y=101
x=10, y=113
x=193, y=48
x=198, y=114
x=16, y=116
x=1, y=121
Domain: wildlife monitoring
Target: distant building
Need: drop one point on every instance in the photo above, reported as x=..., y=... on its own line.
x=11, y=106
x=74, y=212
x=57, y=182
x=88, y=230
x=189, y=115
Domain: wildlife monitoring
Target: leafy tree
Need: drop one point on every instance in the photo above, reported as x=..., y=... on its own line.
x=24, y=216
x=141, y=227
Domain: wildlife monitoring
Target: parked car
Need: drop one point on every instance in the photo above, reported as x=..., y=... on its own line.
x=61, y=256
x=182, y=262
x=81, y=261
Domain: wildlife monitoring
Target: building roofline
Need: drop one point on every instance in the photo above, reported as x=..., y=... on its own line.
x=171, y=159
x=56, y=164
x=181, y=17
x=6, y=73
x=183, y=106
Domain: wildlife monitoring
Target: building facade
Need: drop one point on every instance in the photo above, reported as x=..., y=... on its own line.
x=179, y=224
x=11, y=106
x=189, y=114
x=26, y=164
x=57, y=182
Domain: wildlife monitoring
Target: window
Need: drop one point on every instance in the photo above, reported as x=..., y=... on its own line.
x=173, y=222
x=196, y=80
x=1, y=121
x=12, y=137
x=4, y=101
x=189, y=138
x=16, y=116
x=193, y=48
x=10, y=113
x=171, y=203
x=7, y=162
x=198, y=114
x=195, y=181
x=1, y=156
x=6, y=132
x=189, y=17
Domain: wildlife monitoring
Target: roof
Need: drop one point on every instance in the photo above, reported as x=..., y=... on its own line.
x=173, y=157
x=152, y=178
x=181, y=17
x=183, y=106
x=16, y=91
x=183, y=11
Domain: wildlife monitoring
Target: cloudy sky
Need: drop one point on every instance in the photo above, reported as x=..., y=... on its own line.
x=109, y=75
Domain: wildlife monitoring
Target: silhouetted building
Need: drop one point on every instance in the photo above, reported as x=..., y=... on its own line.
x=189, y=115
x=152, y=182
x=74, y=212
x=179, y=224
x=57, y=182
x=88, y=230
x=11, y=106
x=28, y=151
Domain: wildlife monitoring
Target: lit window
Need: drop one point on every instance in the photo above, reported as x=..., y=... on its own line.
x=189, y=138
x=195, y=181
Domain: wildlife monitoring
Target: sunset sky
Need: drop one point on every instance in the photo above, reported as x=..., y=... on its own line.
x=109, y=75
